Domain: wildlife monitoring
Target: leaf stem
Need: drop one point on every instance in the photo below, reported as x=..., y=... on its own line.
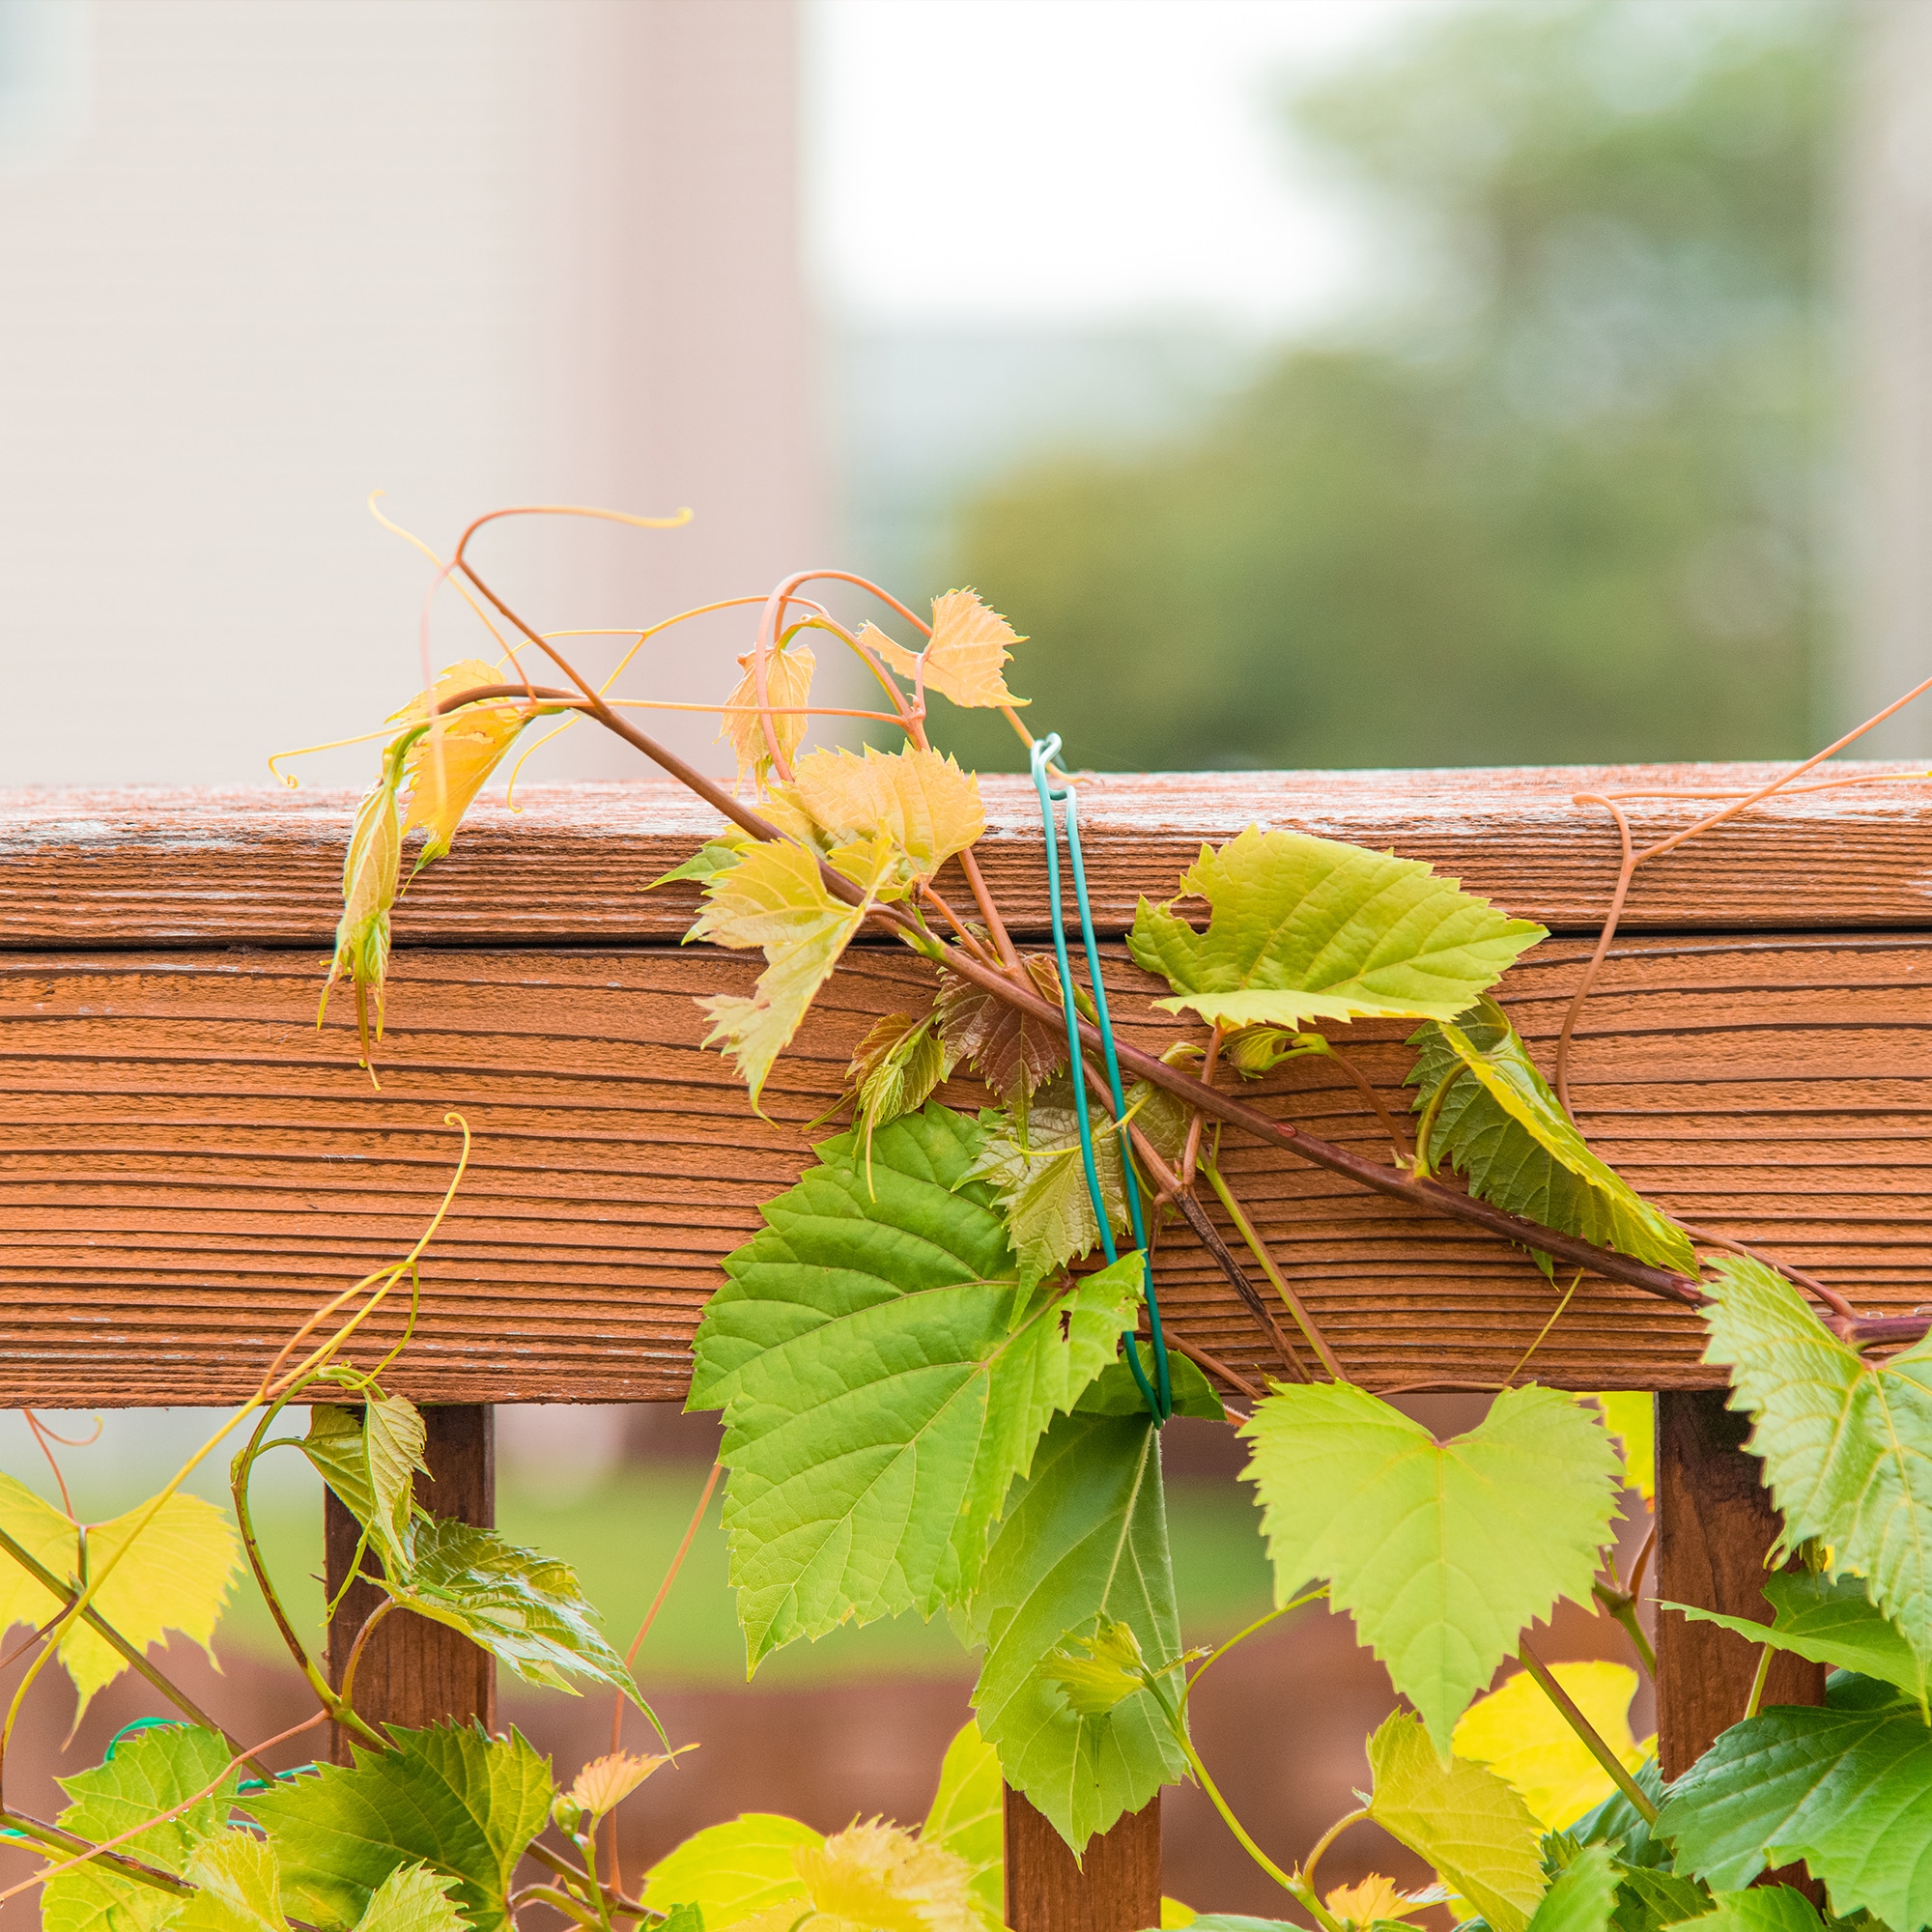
x=1592, y=1741
x=1328, y=1837
x=1315, y=1340
x=1241, y=1637
x=1622, y=1607
x=1756, y=1698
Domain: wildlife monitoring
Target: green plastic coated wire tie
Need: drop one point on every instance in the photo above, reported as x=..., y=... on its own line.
x=1160, y=1392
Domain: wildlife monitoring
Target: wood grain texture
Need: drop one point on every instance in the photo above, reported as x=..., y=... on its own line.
x=1116, y=1888
x=191, y=1166
x=1715, y=1525
x=262, y=866
x=413, y=1672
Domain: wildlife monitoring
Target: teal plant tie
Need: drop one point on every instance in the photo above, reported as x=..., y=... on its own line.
x=1159, y=1394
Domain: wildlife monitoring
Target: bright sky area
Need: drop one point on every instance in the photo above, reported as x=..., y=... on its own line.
x=1065, y=162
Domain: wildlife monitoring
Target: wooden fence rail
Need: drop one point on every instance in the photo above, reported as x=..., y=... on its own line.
x=190, y=1164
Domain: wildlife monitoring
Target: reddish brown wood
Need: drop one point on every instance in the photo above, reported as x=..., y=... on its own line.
x=413, y=1672
x=192, y=1166
x=1715, y=1525
x=1116, y=1888
x=262, y=865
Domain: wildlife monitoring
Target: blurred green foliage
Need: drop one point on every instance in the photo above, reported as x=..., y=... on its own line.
x=1560, y=501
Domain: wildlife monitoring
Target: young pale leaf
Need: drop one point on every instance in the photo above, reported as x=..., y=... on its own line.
x=894, y=1069
x=1630, y=1416
x=1098, y=1670
x=526, y=1609
x=605, y=1782
x=150, y=1773
x=964, y=659
x=1460, y=1819
x=1523, y=1737
x=735, y=1872
x=1031, y=1161
x=176, y=1577
x=1083, y=1539
x=1828, y=1620
x=1848, y=1792
x=1582, y=1897
x=876, y=1876
x=1373, y=1900
x=446, y=767
x=241, y=1887
x=775, y=898
x=1011, y=1051
x=1763, y=1908
x=411, y=1899
x=1443, y=1553
x=923, y=802
x=1846, y=1443
x=968, y=1816
x=788, y=690
x=871, y=1455
x=1499, y=1125
x=1303, y=928
x=450, y=1798
x=370, y=1465
x=851, y=1234
x=371, y=874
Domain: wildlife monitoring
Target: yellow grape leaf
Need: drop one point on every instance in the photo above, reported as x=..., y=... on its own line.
x=788, y=684
x=176, y=1577
x=1521, y=1736
x=1630, y=1416
x=1375, y=1897
x=775, y=898
x=370, y=875
x=876, y=1878
x=923, y=802
x=965, y=656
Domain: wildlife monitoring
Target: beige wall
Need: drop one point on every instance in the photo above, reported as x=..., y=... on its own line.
x=472, y=252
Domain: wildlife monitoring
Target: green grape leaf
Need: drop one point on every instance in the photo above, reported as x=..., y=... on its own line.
x=850, y=1234
x=451, y=1798
x=776, y=899
x=1499, y=1126
x=968, y=1816
x=1460, y=1819
x=525, y=1610
x=150, y=1773
x=1763, y=1907
x=1031, y=1162
x=731, y=1872
x=1618, y=1824
x=176, y=1577
x=1015, y=1053
x=871, y=1455
x=718, y=854
x=1846, y=1443
x=1630, y=1416
x=241, y=1887
x=1115, y=1392
x=1848, y=1792
x=1302, y=928
x=1083, y=1541
x=1443, y=1553
x=1649, y=1898
x=369, y=1459
x=1828, y=1620
x=1583, y=1896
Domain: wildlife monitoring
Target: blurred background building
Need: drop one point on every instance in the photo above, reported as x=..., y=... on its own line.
x=1317, y=381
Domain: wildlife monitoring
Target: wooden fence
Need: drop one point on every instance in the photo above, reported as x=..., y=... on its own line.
x=190, y=1165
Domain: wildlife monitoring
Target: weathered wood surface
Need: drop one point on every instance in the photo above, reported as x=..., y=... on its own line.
x=190, y=1165
x=1715, y=1526
x=1115, y=1888
x=414, y=1671
x=261, y=866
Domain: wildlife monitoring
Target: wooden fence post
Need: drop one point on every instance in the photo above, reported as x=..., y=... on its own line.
x=1715, y=1525
x=414, y=1671
x=1114, y=1888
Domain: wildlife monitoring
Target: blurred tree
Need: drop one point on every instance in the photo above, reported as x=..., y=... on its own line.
x=1562, y=504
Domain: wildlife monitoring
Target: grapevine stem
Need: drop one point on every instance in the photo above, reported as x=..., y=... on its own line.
x=1758, y=1682
x=1315, y=1340
x=1592, y=1741
x=1328, y=1837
